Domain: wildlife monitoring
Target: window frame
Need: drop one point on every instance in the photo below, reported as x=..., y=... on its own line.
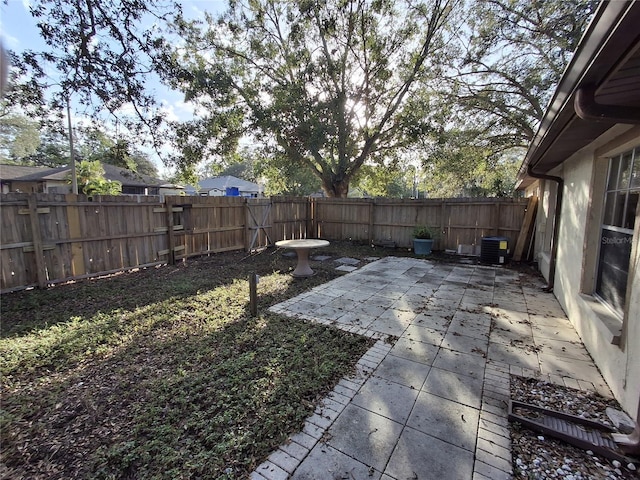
x=618, y=224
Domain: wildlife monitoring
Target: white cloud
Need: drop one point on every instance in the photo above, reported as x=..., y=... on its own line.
x=10, y=42
x=196, y=8
x=178, y=110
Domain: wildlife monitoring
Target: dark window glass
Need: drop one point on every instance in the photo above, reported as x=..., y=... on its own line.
x=618, y=211
x=635, y=173
x=630, y=215
x=609, y=207
x=614, y=167
x=625, y=171
x=132, y=190
x=615, y=250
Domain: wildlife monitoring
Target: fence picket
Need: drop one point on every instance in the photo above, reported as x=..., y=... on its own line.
x=36, y=238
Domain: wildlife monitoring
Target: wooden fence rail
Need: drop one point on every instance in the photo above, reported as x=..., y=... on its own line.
x=52, y=238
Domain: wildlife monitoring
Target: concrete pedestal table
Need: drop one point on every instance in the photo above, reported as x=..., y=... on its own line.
x=302, y=248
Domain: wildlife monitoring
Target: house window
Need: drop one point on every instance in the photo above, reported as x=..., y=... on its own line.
x=133, y=190
x=618, y=221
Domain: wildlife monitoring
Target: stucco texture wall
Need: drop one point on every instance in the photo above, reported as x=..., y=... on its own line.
x=619, y=364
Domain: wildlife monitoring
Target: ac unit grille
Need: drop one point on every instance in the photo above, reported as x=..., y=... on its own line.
x=494, y=250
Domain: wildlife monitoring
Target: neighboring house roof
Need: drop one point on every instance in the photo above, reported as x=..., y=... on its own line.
x=228, y=181
x=24, y=173
x=111, y=172
x=43, y=174
x=224, y=182
x=132, y=179
x=599, y=88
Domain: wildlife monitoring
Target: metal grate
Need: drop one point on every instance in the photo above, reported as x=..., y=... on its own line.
x=577, y=431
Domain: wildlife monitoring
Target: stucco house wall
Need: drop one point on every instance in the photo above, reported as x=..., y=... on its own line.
x=592, y=122
x=613, y=342
x=44, y=186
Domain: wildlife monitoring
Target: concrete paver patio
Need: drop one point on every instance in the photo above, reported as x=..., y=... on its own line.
x=432, y=403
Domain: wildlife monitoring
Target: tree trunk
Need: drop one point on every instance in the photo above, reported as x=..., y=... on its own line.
x=335, y=188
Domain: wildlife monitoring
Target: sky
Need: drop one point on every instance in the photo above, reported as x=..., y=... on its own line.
x=18, y=32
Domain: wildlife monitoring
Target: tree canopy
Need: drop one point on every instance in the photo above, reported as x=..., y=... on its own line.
x=331, y=84
x=511, y=62
x=27, y=142
x=19, y=137
x=101, y=53
x=96, y=144
x=510, y=59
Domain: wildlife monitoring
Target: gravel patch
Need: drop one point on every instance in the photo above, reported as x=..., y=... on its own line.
x=536, y=456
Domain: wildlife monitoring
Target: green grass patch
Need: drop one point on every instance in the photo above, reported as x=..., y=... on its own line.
x=162, y=373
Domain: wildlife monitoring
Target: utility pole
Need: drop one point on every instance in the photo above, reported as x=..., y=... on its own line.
x=74, y=176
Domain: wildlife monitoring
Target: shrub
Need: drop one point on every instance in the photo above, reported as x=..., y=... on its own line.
x=424, y=232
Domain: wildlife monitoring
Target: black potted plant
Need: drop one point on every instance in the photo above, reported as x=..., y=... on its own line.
x=423, y=239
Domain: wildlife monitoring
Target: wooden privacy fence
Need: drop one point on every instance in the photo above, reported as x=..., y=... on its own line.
x=460, y=221
x=52, y=238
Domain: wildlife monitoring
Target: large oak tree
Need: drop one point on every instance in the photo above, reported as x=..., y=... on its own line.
x=332, y=84
x=327, y=86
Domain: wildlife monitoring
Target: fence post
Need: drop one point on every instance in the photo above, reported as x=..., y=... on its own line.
x=41, y=271
x=526, y=229
x=311, y=218
x=253, y=294
x=248, y=244
x=168, y=203
x=372, y=203
x=443, y=209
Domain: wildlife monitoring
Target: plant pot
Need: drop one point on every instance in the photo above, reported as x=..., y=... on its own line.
x=422, y=246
